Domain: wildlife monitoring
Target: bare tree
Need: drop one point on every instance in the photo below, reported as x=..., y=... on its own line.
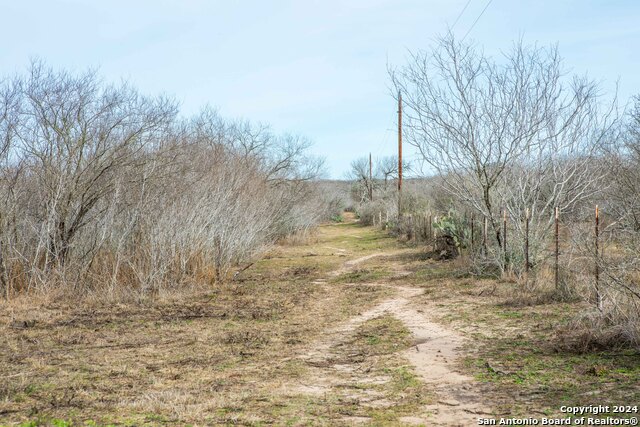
x=618, y=262
x=237, y=199
x=104, y=188
x=9, y=98
x=512, y=133
x=77, y=136
x=387, y=169
x=360, y=175
x=622, y=159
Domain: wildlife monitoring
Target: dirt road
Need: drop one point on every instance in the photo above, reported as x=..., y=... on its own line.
x=349, y=328
x=433, y=355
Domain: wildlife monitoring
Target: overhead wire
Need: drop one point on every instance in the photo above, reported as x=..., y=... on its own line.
x=460, y=14
x=385, y=135
x=476, y=21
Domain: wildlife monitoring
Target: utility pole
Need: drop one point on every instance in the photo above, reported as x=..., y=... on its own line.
x=370, y=178
x=399, y=154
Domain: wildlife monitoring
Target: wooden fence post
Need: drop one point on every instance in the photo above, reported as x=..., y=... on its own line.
x=411, y=230
x=380, y=219
x=557, y=237
x=504, y=238
x=426, y=227
x=430, y=228
x=597, y=263
x=435, y=231
x=526, y=243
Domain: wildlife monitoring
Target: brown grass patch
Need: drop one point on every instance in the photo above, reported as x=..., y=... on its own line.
x=210, y=355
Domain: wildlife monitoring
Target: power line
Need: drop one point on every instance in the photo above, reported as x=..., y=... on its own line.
x=382, y=144
x=476, y=21
x=460, y=14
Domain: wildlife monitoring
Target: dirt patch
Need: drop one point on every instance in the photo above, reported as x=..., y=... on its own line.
x=353, y=328
x=433, y=353
x=210, y=357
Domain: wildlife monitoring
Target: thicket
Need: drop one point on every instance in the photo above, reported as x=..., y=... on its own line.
x=108, y=190
x=510, y=140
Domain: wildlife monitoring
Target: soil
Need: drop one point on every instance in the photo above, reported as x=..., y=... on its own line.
x=433, y=354
x=350, y=328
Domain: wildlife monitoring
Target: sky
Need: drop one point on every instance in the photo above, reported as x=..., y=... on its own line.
x=316, y=68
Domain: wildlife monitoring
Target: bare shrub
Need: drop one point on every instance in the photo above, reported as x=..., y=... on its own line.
x=9, y=172
x=372, y=212
x=106, y=191
x=610, y=277
x=511, y=134
x=615, y=297
x=518, y=137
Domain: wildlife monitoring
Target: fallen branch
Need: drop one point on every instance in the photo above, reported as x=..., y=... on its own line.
x=237, y=273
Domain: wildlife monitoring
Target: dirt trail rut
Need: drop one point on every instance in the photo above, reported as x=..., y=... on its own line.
x=433, y=355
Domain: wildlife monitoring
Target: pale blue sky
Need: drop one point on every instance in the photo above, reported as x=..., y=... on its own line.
x=313, y=67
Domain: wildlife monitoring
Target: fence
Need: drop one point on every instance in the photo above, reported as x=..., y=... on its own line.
x=572, y=242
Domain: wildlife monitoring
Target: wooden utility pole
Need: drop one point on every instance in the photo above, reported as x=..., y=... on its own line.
x=399, y=154
x=597, y=265
x=370, y=178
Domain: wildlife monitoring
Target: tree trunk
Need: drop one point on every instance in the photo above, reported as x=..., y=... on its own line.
x=489, y=206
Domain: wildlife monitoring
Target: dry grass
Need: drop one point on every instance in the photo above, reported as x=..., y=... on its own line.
x=232, y=354
x=212, y=356
x=518, y=343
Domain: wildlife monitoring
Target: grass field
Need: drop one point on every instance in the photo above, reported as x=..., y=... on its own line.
x=255, y=351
